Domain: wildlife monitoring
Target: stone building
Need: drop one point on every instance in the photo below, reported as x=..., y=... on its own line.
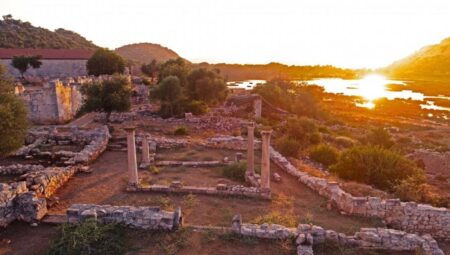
x=56, y=63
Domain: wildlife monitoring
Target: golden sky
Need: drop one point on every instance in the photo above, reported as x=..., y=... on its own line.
x=346, y=33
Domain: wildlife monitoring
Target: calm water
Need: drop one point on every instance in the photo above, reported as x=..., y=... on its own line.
x=370, y=88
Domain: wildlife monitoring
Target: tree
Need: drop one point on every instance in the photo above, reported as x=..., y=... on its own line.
x=109, y=95
x=22, y=63
x=207, y=86
x=105, y=61
x=168, y=91
x=380, y=137
x=150, y=69
x=176, y=67
x=13, y=116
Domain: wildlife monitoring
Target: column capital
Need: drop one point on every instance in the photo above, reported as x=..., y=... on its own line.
x=266, y=132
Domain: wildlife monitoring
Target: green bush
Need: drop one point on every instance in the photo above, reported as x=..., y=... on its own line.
x=196, y=107
x=90, y=237
x=345, y=142
x=181, y=131
x=379, y=137
x=415, y=189
x=287, y=146
x=324, y=154
x=374, y=165
x=235, y=171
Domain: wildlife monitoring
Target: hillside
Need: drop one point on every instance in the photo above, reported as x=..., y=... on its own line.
x=140, y=53
x=19, y=34
x=279, y=71
x=429, y=63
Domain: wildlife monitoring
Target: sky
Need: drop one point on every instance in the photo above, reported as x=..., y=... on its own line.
x=345, y=33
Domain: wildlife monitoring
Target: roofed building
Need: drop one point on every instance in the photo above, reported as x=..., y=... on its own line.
x=56, y=63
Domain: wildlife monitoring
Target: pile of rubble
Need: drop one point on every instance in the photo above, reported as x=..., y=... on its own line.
x=142, y=217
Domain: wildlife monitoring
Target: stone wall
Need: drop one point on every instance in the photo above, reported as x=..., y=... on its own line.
x=53, y=68
x=16, y=202
x=367, y=238
x=142, y=217
x=54, y=102
x=220, y=190
x=47, y=181
x=19, y=169
x=407, y=216
x=230, y=143
x=94, y=142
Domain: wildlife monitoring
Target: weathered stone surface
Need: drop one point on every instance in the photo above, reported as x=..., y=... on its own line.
x=142, y=217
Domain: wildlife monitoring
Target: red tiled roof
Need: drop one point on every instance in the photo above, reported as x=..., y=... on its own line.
x=9, y=53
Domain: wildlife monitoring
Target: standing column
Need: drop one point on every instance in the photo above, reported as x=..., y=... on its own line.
x=132, y=164
x=250, y=149
x=145, y=152
x=265, y=160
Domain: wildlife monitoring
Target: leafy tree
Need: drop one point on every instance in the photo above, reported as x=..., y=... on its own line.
x=105, y=61
x=169, y=92
x=207, y=86
x=150, y=69
x=175, y=67
x=108, y=95
x=22, y=63
x=13, y=116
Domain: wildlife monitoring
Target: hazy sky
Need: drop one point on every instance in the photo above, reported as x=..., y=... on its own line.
x=347, y=33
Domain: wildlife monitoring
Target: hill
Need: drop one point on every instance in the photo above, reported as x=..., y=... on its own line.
x=270, y=71
x=140, y=53
x=19, y=34
x=429, y=63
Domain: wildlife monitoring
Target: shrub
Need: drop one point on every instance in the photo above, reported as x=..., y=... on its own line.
x=181, y=131
x=196, y=107
x=374, y=165
x=288, y=147
x=345, y=142
x=415, y=189
x=379, y=137
x=235, y=171
x=324, y=154
x=153, y=169
x=90, y=237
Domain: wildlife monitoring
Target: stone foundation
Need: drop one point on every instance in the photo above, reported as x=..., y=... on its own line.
x=220, y=189
x=19, y=169
x=142, y=217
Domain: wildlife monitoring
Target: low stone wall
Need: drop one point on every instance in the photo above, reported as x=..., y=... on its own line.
x=220, y=189
x=19, y=169
x=142, y=217
x=230, y=143
x=407, y=216
x=115, y=117
x=16, y=202
x=94, y=142
x=47, y=181
x=367, y=238
x=210, y=163
x=372, y=239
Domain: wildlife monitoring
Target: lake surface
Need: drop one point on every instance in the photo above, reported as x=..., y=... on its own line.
x=370, y=88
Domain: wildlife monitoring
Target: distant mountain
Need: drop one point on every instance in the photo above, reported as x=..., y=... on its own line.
x=19, y=34
x=140, y=53
x=429, y=63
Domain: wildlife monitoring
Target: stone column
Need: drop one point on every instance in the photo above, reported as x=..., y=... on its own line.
x=145, y=152
x=250, y=149
x=132, y=162
x=265, y=160
x=257, y=107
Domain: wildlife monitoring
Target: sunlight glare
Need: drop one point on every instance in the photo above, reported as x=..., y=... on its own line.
x=373, y=87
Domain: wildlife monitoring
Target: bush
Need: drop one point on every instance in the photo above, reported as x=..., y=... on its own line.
x=415, y=189
x=154, y=170
x=90, y=237
x=379, y=137
x=345, y=142
x=235, y=171
x=376, y=166
x=288, y=147
x=324, y=154
x=181, y=131
x=196, y=107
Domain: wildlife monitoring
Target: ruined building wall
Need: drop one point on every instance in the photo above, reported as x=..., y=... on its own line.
x=54, y=102
x=52, y=68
